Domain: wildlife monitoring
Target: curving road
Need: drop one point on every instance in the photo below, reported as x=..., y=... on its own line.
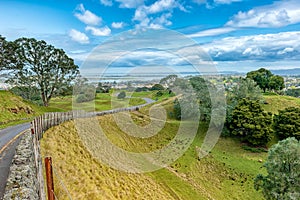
x=9, y=139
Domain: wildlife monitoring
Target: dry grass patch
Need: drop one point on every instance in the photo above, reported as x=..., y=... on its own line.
x=86, y=178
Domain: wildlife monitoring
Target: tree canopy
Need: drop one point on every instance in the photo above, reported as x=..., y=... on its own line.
x=283, y=172
x=6, y=53
x=245, y=88
x=38, y=64
x=200, y=87
x=157, y=87
x=287, y=123
x=251, y=123
x=266, y=80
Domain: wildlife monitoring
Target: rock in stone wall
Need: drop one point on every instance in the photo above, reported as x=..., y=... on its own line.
x=22, y=181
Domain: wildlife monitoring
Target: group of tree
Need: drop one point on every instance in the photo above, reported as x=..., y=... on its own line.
x=34, y=64
x=83, y=91
x=253, y=125
x=266, y=80
x=293, y=92
x=196, y=98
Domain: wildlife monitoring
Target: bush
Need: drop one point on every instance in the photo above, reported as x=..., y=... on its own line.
x=121, y=95
x=251, y=123
x=159, y=94
x=287, y=123
x=283, y=172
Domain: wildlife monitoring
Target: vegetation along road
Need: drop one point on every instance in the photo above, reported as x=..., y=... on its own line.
x=9, y=139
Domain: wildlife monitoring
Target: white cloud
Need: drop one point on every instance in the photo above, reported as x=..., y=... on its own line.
x=286, y=50
x=163, y=5
x=130, y=3
x=256, y=47
x=279, y=14
x=106, y=2
x=212, y=32
x=226, y=1
x=104, y=31
x=78, y=36
x=87, y=16
x=144, y=14
x=117, y=25
x=253, y=51
x=161, y=21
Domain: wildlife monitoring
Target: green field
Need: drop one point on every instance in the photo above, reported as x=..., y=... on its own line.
x=103, y=101
x=226, y=173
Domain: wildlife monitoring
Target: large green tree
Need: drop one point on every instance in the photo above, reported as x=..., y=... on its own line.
x=276, y=83
x=251, y=123
x=283, y=172
x=201, y=88
x=41, y=65
x=266, y=80
x=245, y=88
x=287, y=123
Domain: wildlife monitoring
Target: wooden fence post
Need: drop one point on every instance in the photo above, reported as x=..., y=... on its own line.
x=49, y=177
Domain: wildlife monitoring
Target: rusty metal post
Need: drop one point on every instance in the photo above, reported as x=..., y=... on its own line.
x=49, y=177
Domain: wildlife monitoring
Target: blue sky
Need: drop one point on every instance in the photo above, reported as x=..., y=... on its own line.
x=239, y=35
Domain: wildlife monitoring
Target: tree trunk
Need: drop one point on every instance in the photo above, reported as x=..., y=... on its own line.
x=45, y=100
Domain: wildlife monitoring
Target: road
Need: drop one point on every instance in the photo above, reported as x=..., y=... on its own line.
x=9, y=139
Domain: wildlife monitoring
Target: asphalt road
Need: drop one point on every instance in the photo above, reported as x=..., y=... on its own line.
x=9, y=139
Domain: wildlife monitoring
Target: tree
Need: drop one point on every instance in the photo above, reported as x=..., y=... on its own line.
x=168, y=80
x=43, y=66
x=245, y=88
x=283, y=172
x=266, y=80
x=121, y=95
x=251, y=123
x=103, y=88
x=200, y=87
x=287, y=123
x=276, y=83
x=261, y=77
x=157, y=87
x=177, y=109
x=83, y=91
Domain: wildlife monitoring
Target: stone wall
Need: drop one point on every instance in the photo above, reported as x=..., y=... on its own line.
x=22, y=182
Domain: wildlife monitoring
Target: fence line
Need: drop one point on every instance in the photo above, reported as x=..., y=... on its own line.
x=42, y=123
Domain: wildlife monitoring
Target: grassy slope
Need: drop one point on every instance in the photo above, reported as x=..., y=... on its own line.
x=226, y=173
x=9, y=101
x=277, y=102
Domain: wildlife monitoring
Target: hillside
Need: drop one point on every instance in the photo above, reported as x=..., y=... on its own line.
x=274, y=102
x=16, y=110
x=226, y=173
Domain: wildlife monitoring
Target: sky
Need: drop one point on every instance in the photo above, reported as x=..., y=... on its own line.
x=238, y=35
